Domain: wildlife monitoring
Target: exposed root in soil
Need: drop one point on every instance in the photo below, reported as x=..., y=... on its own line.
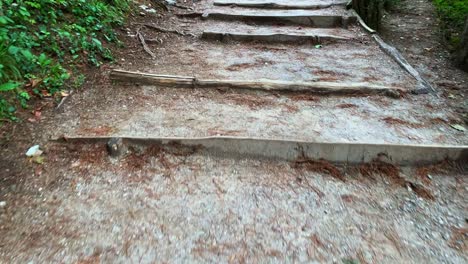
x=142, y=40
x=321, y=166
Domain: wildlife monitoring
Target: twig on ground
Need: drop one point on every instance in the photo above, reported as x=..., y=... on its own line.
x=63, y=100
x=164, y=30
x=141, y=38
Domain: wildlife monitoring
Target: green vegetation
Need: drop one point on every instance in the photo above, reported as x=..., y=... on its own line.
x=453, y=14
x=44, y=42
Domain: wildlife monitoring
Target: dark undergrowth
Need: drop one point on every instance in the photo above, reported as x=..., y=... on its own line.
x=45, y=44
x=452, y=14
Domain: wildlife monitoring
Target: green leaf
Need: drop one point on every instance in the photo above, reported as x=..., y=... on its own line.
x=9, y=86
x=24, y=95
x=23, y=11
x=38, y=159
x=13, y=50
x=27, y=54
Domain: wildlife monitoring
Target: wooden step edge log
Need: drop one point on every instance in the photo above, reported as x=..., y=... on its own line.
x=272, y=37
x=320, y=21
x=291, y=150
x=398, y=58
x=266, y=85
x=273, y=5
x=148, y=78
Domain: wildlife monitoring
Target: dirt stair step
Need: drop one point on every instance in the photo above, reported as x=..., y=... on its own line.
x=323, y=18
x=282, y=4
x=159, y=112
x=291, y=150
x=279, y=34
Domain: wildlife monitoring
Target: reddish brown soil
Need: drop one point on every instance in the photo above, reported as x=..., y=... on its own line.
x=321, y=166
x=400, y=122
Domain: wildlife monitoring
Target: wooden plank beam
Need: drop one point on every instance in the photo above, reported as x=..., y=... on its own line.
x=267, y=85
x=279, y=4
x=337, y=152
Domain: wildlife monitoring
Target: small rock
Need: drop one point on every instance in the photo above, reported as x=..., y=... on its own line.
x=2, y=204
x=115, y=147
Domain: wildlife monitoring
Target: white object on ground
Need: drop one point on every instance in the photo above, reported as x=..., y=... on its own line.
x=34, y=151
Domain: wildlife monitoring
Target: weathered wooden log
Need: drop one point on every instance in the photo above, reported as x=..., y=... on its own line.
x=336, y=152
x=272, y=4
x=398, y=58
x=267, y=85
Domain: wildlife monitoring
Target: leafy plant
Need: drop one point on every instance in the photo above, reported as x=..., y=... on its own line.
x=39, y=39
x=453, y=14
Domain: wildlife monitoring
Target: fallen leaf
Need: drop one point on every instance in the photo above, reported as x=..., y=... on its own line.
x=38, y=159
x=45, y=93
x=35, y=82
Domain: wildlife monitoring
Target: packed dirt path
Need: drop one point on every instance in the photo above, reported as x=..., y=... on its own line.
x=254, y=131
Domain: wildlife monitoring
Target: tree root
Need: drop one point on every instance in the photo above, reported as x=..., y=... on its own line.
x=141, y=38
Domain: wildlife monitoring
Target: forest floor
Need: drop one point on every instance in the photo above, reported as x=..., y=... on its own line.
x=179, y=203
